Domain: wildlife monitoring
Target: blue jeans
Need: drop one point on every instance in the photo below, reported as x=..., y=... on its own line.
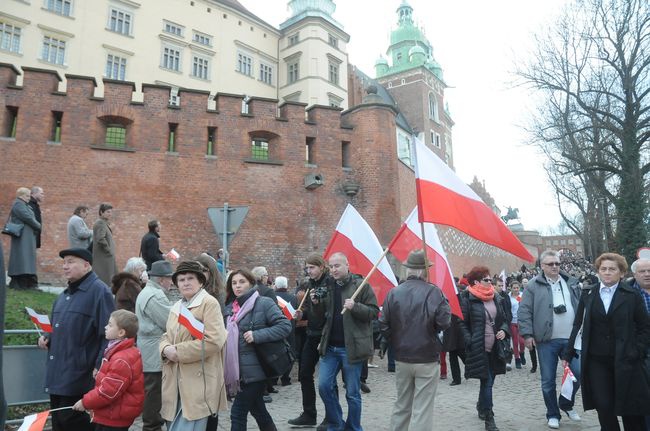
x=336, y=359
x=548, y=353
x=485, y=391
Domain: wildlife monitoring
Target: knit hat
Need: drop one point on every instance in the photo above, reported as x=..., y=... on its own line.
x=192, y=266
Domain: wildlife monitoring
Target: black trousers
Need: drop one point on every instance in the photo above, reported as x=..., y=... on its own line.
x=364, y=372
x=309, y=357
x=601, y=378
x=69, y=420
x=249, y=399
x=454, y=365
x=151, y=419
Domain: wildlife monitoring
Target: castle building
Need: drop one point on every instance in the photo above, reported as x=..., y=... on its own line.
x=170, y=111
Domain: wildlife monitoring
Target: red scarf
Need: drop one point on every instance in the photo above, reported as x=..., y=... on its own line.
x=484, y=293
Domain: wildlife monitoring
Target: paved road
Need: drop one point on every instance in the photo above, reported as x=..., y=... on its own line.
x=518, y=405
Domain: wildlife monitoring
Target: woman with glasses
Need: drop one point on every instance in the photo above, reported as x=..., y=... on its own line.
x=485, y=321
x=615, y=335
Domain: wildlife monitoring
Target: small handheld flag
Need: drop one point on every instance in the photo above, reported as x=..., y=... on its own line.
x=187, y=319
x=567, y=383
x=287, y=308
x=34, y=422
x=40, y=320
x=173, y=254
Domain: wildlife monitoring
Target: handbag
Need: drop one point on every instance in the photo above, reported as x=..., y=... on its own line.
x=275, y=357
x=502, y=347
x=13, y=229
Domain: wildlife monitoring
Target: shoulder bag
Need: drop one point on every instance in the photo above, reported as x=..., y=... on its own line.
x=502, y=347
x=13, y=229
x=275, y=357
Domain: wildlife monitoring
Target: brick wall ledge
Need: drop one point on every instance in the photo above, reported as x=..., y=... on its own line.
x=105, y=148
x=264, y=162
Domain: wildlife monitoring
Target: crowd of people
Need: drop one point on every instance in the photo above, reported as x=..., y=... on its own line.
x=181, y=344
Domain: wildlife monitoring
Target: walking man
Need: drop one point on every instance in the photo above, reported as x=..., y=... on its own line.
x=150, y=244
x=546, y=314
x=413, y=314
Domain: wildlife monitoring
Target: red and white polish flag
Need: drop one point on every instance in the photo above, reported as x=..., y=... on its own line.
x=443, y=198
x=34, y=422
x=40, y=320
x=187, y=319
x=287, y=308
x=409, y=238
x=354, y=238
x=567, y=383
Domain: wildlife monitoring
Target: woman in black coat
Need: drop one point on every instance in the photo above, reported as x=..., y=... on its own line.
x=485, y=321
x=615, y=335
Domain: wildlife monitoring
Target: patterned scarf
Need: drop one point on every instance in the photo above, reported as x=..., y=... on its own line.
x=231, y=371
x=484, y=293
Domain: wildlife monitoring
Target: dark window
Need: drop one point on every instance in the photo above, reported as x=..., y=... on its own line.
x=212, y=140
x=11, y=122
x=57, y=117
x=115, y=136
x=309, y=150
x=345, y=154
x=171, y=141
x=260, y=149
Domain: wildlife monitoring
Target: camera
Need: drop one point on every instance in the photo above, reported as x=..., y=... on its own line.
x=320, y=293
x=559, y=309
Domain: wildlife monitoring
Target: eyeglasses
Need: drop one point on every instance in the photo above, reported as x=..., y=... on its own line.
x=487, y=280
x=552, y=264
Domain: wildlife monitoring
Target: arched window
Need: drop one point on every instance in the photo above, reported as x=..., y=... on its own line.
x=433, y=107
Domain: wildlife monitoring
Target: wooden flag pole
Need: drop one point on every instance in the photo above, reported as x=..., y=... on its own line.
x=424, y=249
x=365, y=280
x=303, y=299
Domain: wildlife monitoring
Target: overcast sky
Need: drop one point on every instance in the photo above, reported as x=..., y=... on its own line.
x=477, y=43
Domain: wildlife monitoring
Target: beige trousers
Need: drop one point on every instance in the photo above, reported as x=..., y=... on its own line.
x=416, y=390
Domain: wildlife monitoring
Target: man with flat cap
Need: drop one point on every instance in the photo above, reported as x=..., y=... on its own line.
x=77, y=342
x=152, y=308
x=412, y=316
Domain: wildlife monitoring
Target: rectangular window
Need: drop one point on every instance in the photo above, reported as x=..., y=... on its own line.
x=115, y=136
x=244, y=64
x=309, y=151
x=61, y=7
x=200, y=67
x=266, y=74
x=212, y=141
x=120, y=21
x=437, y=141
x=203, y=39
x=11, y=122
x=171, y=58
x=171, y=141
x=57, y=118
x=174, y=98
x=334, y=73
x=333, y=41
x=293, y=73
x=345, y=154
x=260, y=149
x=53, y=50
x=404, y=148
x=294, y=39
x=115, y=67
x=9, y=37
x=172, y=28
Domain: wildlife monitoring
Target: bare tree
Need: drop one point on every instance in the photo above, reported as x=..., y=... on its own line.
x=592, y=71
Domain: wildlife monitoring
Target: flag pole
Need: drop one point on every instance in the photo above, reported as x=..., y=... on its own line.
x=60, y=408
x=303, y=300
x=365, y=280
x=424, y=249
x=424, y=240
x=40, y=334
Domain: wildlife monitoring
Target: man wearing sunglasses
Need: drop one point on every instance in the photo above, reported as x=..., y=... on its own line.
x=545, y=316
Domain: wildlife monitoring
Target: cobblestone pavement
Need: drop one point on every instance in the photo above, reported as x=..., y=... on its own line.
x=518, y=404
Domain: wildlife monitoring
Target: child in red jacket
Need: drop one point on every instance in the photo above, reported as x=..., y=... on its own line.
x=118, y=396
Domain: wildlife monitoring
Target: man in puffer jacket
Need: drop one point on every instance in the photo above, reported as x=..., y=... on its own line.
x=118, y=396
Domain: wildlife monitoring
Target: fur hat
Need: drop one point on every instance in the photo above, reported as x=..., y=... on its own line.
x=190, y=266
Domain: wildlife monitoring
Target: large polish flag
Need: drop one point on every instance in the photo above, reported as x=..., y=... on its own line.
x=34, y=422
x=354, y=238
x=409, y=238
x=194, y=325
x=287, y=308
x=40, y=320
x=445, y=199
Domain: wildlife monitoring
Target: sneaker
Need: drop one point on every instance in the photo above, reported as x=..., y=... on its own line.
x=523, y=359
x=364, y=388
x=303, y=420
x=391, y=369
x=508, y=367
x=373, y=366
x=267, y=398
x=554, y=423
x=573, y=415
x=443, y=377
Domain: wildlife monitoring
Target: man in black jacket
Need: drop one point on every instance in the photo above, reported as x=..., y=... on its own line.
x=412, y=316
x=150, y=245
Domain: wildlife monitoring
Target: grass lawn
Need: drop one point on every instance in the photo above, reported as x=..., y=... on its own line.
x=16, y=317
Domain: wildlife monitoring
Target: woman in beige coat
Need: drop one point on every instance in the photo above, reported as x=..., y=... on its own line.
x=192, y=378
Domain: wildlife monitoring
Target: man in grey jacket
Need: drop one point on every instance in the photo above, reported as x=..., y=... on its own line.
x=152, y=308
x=546, y=314
x=79, y=234
x=413, y=314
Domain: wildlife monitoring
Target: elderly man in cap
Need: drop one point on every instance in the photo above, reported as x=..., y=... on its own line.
x=152, y=308
x=77, y=342
x=412, y=316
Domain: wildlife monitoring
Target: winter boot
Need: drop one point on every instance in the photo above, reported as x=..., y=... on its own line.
x=518, y=363
x=490, y=425
x=481, y=413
